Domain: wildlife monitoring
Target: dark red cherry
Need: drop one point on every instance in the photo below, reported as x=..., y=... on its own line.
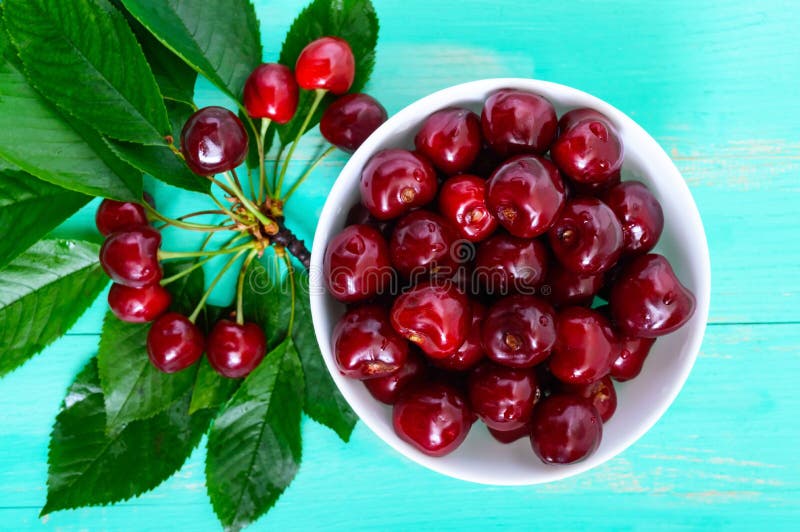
x=271, y=92
x=348, y=121
x=436, y=317
x=356, y=264
x=648, y=299
x=600, y=393
x=423, y=243
x=396, y=181
x=507, y=264
x=359, y=215
x=113, y=216
x=526, y=194
x=640, y=214
x=587, y=237
x=462, y=200
x=632, y=354
x=235, y=350
x=130, y=257
x=387, y=389
x=486, y=163
x=519, y=331
x=594, y=189
x=516, y=122
x=471, y=351
x=503, y=397
x=213, y=140
x=564, y=288
x=570, y=118
x=433, y=418
x=510, y=436
x=585, y=348
x=589, y=152
x=326, y=63
x=174, y=343
x=451, y=139
x=365, y=346
x=138, y=305
x=565, y=429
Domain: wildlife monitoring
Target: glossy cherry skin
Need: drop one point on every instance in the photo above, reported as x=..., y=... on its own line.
x=570, y=118
x=600, y=393
x=234, y=350
x=589, y=152
x=387, y=389
x=586, y=346
x=395, y=182
x=327, y=64
x=502, y=397
x=434, y=418
x=423, y=243
x=648, y=299
x=471, y=351
x=174, y=343
x=113, y=216
x=519, y=331
x=630, y=360
x=349, y=120
x=516, y=122
x=587, y=237
x=451, y=139
x=138, y=305
x=434, y=316
x=565, y=429
x=507, y=264
x=462, y=200
x=597, y=190
x=365, y=345
x=526, y=194
x=213, y=141
x=563, y=288
x=640, y=215
x=271, y=92
x=130, y=257
x=356, y=264
x=510, y=436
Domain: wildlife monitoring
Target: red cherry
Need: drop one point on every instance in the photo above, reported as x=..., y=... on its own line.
x=587, y=237
x=507, y=264
x=235, y=350
x=113, y=216
x=130, y=257
x=565, y=429
x=648, y=299
x=356, y=264
x=213, y=140
x=451, y=139
x=435, y=418
x=632, y=354
x=359, y=215
x=436, y=317
x=328, y=64
x=174, y=343
x=570, y=118
x=600, y=393
x=462, y=200
x=348, y=121
x=526, y=194
x=640, y=214
x=271, y=92
x=519, y=331
x=589, y=152
x=365, y=345
x=563, y=288
x=486, y=163
x=423, y=243
x=516, y=122
x=138, y=305
x=510, y=436
x=471, y=351
x=396, y=181
x=503, y=397
x=387, y=389
x=586, y=346
x=594, y=189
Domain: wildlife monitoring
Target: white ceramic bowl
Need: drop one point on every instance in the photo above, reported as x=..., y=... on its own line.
x=642, y=401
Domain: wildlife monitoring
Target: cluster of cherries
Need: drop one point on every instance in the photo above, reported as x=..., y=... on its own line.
x=502, y=253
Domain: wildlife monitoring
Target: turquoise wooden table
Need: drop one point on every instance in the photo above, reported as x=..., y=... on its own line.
x=716, y=84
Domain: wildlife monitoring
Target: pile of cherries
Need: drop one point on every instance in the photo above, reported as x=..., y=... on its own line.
x=486, y=280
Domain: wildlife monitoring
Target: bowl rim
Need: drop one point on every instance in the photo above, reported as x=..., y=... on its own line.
x=423, y=107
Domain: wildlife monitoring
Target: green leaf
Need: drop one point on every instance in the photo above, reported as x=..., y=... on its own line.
x=211, y=390
x=83, y=56
x=254, y=448
x=354, y=21
x=220, y=40
x=161, y=163
x=31, y=208
x=179, y=113
x=323, y=401
x=266, y=300
x=43, y=292
x=89, y=467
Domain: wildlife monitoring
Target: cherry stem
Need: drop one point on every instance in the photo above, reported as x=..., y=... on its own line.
x=178, y=223
x=222, y=207
x=217, y=278
x=318, y=95
x=199, y=213
x=275, y=165
x=290, y=268
x=240, y=286
x=249, y=205
x=262, y=172
x=166, y=255
x=287, y=239
x=308, y=173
